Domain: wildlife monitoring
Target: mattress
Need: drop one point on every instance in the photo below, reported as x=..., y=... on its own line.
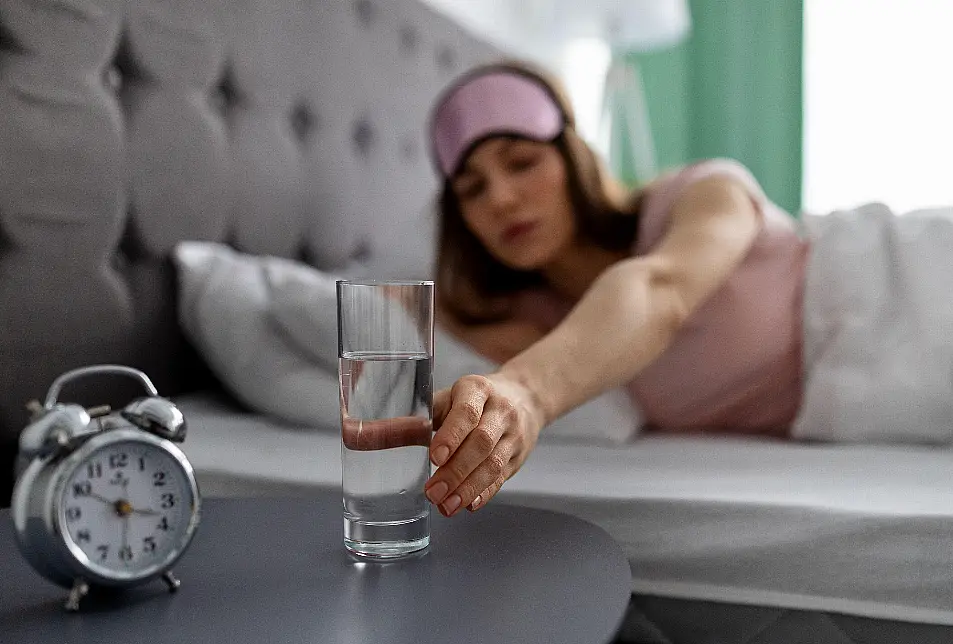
x=859, y=530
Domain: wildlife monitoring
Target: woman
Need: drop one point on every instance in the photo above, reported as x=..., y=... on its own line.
x=688, y=292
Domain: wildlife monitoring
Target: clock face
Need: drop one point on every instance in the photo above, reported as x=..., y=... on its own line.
x=126, y=510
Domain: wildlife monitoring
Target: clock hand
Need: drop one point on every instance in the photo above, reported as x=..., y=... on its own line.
x=147, y=512
x=125, y=535
x=101, y=498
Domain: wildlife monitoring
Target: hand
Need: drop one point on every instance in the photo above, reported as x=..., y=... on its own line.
x=487, y=426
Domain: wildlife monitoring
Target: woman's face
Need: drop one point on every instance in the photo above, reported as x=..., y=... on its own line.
x=514, y=197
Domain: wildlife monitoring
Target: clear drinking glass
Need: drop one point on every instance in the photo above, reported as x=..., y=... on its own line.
x=385, y=345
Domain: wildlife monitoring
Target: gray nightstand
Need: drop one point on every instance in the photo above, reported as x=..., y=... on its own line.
x=274, y=571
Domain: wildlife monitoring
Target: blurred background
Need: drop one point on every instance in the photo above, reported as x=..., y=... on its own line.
x=831, y=103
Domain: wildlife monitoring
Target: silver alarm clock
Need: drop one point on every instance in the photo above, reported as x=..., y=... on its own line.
x=107, y=499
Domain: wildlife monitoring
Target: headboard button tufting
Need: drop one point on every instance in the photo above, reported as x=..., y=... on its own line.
x=363, y=136
x=409, y=39
x=225, y=93
x=303, y=121
x=366, y=12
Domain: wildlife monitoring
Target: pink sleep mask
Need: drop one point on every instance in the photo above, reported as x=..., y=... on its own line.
x=493, y=102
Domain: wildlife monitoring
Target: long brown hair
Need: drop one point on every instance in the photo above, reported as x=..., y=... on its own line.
x=471, y=284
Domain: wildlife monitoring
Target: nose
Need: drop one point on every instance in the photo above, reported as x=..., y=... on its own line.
x=502, y=194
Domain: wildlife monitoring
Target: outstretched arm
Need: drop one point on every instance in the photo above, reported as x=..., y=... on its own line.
x=633, y=310
x=487, y=426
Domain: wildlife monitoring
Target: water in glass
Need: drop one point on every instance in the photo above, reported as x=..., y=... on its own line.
x=386, y=410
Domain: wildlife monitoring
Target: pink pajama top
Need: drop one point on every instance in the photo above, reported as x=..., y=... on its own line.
x=735, y=365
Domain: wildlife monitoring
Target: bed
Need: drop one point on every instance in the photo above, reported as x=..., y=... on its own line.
x=293, y=128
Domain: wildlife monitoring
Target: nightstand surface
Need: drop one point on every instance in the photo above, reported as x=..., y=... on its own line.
x=274, y=571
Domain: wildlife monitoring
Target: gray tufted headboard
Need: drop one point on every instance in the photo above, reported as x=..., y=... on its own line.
x=286, y=127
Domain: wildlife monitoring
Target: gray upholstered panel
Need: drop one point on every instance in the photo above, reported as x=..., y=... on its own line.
x=287, y=127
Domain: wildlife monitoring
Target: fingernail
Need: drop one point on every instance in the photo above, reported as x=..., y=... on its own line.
x=452, y=504
x=476, y=503
x=437, y=492
x=440, y=455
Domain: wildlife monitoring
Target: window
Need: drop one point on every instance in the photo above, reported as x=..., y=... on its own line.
x=878, y=113
x=584, y=64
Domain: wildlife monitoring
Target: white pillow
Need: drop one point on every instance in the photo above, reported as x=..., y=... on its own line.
x=304, y=306
x=268, y=328
x=224, y=302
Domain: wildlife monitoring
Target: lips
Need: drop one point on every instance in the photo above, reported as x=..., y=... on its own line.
x=516, y=232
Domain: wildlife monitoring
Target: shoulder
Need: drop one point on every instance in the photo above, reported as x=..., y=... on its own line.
x=709, y=176
x=665, y=191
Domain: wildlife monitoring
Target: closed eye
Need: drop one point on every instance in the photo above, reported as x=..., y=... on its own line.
x=522, y=162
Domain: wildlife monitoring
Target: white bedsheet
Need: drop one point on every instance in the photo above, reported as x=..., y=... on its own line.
x=859, y=529
x=878, y=327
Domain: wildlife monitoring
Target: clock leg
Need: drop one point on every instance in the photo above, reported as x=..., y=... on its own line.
x=80, y=589
x=171, y=581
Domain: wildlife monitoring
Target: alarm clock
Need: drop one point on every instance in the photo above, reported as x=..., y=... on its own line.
x=106, y=499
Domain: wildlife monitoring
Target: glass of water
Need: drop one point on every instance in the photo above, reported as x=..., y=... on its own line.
x=385, y=345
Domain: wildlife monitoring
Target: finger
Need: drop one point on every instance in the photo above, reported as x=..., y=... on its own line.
x=476, y=448
x=492, y=469
x=370, y=435
x=486, y=495
x=467, y=398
